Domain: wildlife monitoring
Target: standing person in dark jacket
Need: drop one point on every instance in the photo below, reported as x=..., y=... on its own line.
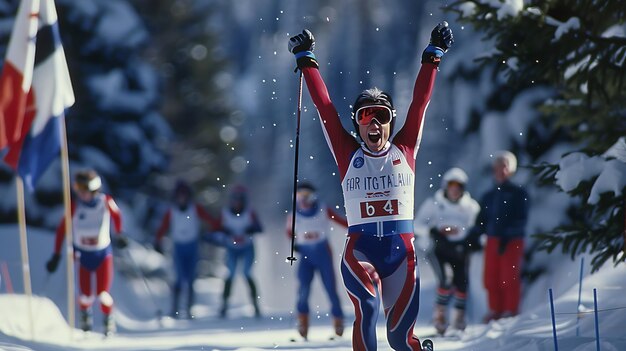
x=503, y=216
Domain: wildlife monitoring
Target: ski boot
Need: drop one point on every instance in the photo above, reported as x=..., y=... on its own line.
x=228, y=283
x=257, y=311
x=338, y=325
x=109, y=325
x=439, y=319
x=253, y=296
x=85, y=320
x=175, y=297
x=427, y=345
x=459, y=322
x=303, y=325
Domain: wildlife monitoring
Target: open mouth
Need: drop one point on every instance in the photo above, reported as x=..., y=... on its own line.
x=374, y=136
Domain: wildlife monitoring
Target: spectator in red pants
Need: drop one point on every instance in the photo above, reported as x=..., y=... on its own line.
x=503, y=215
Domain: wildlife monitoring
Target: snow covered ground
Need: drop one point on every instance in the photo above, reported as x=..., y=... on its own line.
x=140, y=329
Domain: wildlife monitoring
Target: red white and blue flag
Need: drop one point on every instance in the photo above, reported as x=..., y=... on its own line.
x=35, y=90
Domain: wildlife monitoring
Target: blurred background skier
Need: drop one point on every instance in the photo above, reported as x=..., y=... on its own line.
x=184, y=222
x=238, y=223
x=313, y=227
x=92, y=213
x=447, y=217
x=378, y=182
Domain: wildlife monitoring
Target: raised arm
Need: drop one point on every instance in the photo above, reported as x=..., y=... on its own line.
x=411, y=133
x=340, y=142
x=440, y=41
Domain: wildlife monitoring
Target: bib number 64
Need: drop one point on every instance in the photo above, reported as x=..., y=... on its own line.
x=379, y=208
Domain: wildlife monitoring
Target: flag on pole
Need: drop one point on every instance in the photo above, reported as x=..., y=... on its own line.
x=50, y=94
x=17, y=74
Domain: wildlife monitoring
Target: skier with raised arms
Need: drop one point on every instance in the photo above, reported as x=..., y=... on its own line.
x=377, y=177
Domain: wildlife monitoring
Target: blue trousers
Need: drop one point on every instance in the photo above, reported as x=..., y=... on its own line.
x=185, y=260
x=394, y=261
x=236, y=254
x=317, y=257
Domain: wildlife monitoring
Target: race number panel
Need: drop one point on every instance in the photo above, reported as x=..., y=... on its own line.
x=379, y=208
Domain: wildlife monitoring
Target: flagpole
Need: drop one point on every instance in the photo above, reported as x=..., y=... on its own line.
x=21, y=218
x=65, y=168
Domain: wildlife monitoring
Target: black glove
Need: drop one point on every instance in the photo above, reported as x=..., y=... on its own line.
x=441, y=40
x=435, y=233
x=472, y=241
x=158, y=248
x=121, y=242
x=302, y=46
x=53, y=263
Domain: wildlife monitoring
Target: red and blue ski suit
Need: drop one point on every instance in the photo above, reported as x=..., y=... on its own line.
x=313, y=226
x=378, y=191
x=91, y=227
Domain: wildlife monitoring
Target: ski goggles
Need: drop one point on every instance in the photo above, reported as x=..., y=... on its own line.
x=366, y=114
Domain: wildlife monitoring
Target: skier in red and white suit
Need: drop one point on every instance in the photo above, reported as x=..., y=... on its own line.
x=377, y=177
x=92, y=214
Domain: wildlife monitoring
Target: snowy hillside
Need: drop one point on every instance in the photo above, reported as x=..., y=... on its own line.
x=139, y=329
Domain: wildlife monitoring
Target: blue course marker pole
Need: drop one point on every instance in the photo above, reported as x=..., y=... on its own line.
x=595, y=312
x=580, y=288
x=556, y=344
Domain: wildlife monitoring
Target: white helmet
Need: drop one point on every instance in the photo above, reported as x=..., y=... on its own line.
x=454, y=174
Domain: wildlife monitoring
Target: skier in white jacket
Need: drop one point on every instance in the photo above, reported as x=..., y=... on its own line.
x=448, y=217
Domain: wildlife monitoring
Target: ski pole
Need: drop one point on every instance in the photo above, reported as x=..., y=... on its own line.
x=580, y=287
x=595, y=313
x=556, y=343
x=292, y=258
x=145, y=283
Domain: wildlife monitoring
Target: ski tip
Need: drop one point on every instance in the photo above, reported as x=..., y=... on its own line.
x=427, y=345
